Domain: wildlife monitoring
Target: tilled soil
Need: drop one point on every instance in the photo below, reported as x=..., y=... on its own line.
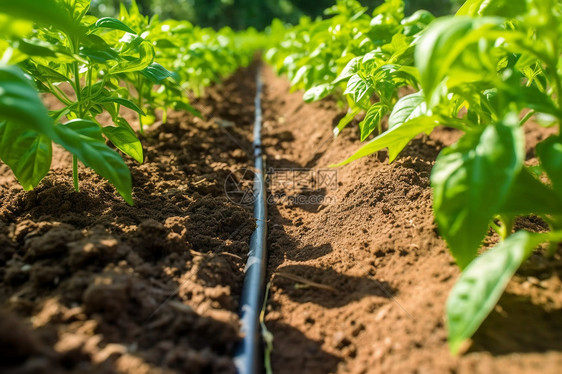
x=89, y=284
x=359, y=275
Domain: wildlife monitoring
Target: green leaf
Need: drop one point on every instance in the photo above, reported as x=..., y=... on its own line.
x=130, y=42
x=35, y=47
x=346, y=120
x=148, y=119
x=156, y=73
x=97, y=55
x=300, y=76
x=441, y=44
x=20, y=103
x=417, y=22
x=95, y=47
x=26, y=152
x=122, y=122
x=77, y=8
x=482, y=283
x=52, y=75
x=318, y=92
x=504, y=8
x=471, y=180
x=359, y=88
x=86, y=128
x=126, y=141
x=407, y=108
x=549, y=152
x=146, y=56
x=113, y=24
x=372, y=119
x=349, y=70
x=81, y=139
x=124, y=102
x=43, y=12
x=395, y=139
x=164, y=44
x=529, y=196
x=531, y=97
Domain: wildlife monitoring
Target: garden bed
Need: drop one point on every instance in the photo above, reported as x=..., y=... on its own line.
x=90, y=284
x=381, y=274
x=359, y=275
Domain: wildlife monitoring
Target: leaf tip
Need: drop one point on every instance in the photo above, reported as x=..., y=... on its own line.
x=128, y=198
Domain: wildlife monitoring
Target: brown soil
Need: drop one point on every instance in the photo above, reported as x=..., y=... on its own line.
x=359, y=282
x=89, y=284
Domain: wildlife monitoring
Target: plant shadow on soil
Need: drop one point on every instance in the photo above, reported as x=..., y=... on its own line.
x=346, y=289
x=528, y=316
x=300, y=353
x=519, y=326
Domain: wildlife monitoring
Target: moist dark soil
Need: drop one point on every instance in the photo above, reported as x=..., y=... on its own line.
x=359, y=275
x=89, y=284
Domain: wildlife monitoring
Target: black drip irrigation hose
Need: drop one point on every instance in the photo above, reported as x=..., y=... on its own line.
x=248, y=355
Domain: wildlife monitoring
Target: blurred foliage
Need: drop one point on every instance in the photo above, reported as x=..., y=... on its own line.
x=240, y=14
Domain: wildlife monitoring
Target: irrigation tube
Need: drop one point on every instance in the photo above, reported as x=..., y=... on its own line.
x=248, y=355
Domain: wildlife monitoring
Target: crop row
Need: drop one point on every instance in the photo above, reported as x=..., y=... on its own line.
x=485, y=71
x=93, y=66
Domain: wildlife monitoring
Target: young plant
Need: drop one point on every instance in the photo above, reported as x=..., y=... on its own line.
x=486, y=72
x=84, y=62
x=354, y=54
x=65, y=48
x=88, y=56
x=156, y=87
x=199, y=57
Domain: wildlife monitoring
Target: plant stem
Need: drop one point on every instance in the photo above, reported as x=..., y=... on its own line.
x=78, y=91
x=89, y=81
x=75, y=173
x=59, y=94
x=77, y=88
x=141, y=128
x=89, y=86
x=526, y=117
